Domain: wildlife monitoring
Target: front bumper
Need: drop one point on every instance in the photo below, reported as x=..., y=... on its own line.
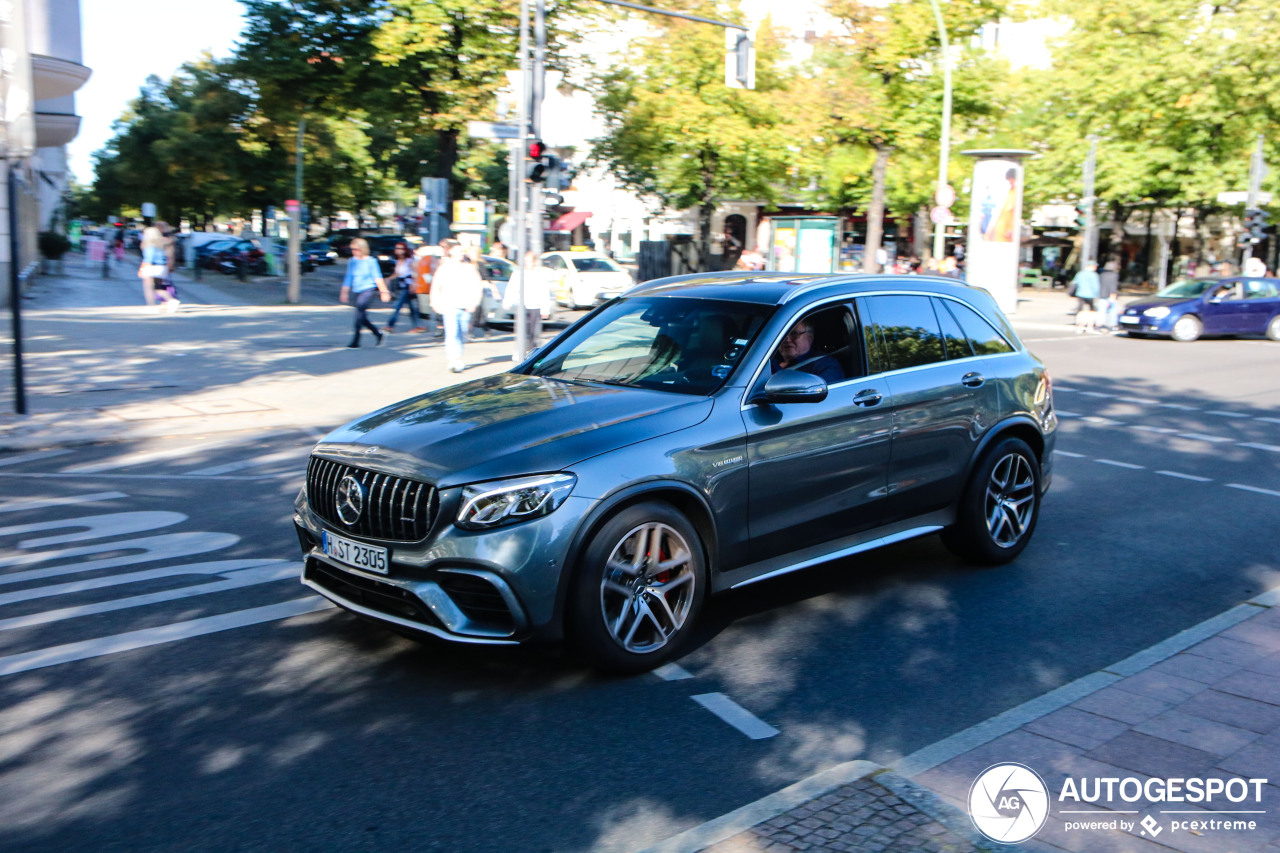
x=498, y=586
x=1146, y=325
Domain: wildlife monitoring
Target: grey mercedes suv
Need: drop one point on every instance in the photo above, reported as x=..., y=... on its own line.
x=698, y=434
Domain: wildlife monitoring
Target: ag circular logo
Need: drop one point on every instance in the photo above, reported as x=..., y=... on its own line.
x=1008, y=803
x=349, y=500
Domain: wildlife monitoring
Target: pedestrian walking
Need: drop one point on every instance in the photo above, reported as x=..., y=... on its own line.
x=1109, y=295
x=537, y=301
x=456, y=289
x=403, y=280
x=154, y=270
x=363, y=279
x=1085, y=288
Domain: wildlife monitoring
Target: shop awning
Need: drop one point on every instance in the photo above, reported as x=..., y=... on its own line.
x=570, y=221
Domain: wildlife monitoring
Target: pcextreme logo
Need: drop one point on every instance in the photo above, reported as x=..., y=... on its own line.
x=1008, y=803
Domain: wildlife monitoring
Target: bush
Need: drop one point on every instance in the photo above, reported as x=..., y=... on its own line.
x=53, y=245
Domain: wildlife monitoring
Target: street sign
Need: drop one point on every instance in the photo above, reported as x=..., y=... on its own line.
x=492, y=130
x=940, y=216
x=946, y=196
x=469, y=213
x=148, y=209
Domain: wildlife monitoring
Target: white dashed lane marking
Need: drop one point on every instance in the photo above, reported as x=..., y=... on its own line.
x=735, y=715
x=1182, y=476
x=1254, y=489
x=1196, y=436
x=672, y=672
x=31, y=457
x=1270, y=448
x=1129, y=465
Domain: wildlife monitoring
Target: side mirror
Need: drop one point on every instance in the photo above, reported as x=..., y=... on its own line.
x=793, y=386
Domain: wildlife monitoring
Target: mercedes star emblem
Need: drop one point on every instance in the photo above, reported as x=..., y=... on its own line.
x=349, y=500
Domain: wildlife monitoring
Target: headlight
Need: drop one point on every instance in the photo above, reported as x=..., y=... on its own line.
x=500, y=502
x=1156, y=313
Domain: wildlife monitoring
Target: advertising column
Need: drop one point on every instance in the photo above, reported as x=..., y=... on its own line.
x=995, y=224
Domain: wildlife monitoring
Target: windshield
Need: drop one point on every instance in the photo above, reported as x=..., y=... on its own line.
x=496, y=269
x=690, y=346
x=1187, y=288
x=595, y=265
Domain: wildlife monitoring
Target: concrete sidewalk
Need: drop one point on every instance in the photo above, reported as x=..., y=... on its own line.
x=1204, y=704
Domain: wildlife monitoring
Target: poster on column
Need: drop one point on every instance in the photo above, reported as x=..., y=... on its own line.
x=995, y=230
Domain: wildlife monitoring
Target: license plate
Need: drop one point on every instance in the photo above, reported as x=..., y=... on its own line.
x=371, y=558
x=1129, y=320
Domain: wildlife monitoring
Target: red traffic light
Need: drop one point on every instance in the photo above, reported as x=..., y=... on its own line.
x=536, y=149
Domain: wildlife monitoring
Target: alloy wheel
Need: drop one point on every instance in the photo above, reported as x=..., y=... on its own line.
x=1011, y=493
x=647, y=588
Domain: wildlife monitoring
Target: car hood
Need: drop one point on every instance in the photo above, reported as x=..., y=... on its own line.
x=1152, y=301
x=510, y=424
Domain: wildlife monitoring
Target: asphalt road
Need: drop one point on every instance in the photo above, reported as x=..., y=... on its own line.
x=177, y=710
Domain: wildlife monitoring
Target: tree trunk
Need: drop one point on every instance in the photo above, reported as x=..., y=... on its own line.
x=875, y=213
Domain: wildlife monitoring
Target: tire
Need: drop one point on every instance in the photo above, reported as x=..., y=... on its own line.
x=1187, y=328
x=1273, y=329
x=999, y=506
x=628, y=613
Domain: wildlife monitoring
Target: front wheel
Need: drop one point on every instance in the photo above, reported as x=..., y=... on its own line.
x=638, y=590
x=999, y=506
x=1187, y=328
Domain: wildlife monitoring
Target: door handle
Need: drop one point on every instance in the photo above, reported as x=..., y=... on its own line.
x=973, y=380
x=868, y=398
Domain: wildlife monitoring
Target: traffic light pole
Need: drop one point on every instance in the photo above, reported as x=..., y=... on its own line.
x=1257, y=170
x=521, y=192
x=536, y=204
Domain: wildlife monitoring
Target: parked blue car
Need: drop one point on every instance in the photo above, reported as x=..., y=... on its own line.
x=1188, y=309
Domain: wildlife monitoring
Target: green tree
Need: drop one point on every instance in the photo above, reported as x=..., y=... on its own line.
x=675, y=131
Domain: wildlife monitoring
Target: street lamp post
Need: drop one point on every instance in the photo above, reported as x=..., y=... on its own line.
x=295, y=223
x=944, y=151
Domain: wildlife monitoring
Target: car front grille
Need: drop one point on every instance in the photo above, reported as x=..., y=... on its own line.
x=367, y=592
x=396, y=509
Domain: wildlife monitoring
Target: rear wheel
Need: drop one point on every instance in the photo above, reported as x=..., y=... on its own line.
x=999, y=507
x=1273, y=329
x=639, y=588
x=1187, y=328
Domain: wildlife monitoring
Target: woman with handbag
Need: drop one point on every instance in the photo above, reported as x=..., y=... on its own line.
x=403, y=278
x=155, y=270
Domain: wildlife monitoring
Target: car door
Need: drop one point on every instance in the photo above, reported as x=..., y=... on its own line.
x=943, y=398
x=1225, y=314
x=817, y=471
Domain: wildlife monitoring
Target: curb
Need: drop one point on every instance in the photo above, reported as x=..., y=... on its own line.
x=897, y=777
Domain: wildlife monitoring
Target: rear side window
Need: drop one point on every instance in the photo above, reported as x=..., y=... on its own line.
x=908, y=331
x=982, y=336
x=952, y=335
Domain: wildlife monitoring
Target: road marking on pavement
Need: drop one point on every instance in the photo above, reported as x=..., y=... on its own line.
x=1100, y=421
x=30, y=457
x=724, y=708
x=1178, y=406
x=1270, y=448
x=1253, y=489
x=1063, y=414
x=1128, y=465
x=117, y=476
x=233, y=579
x=1141, y=401
x=142, y=457
x=1196, y=436
x=1182, y=476
x=1096, y=394
x=44, y=503
x=1225, y=414
x=672, y=672
x=1156, y=429
x=1068, y=454
x=95, y=526
x=215, y=567
x=153, y=548
x=290, y=455
x=1270, y=420
x=27, y=661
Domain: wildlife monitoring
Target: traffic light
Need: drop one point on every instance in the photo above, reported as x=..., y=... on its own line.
x=1082, y=215
x=1256, y=222
x=739, y=60
x=554, y=172
x=537, y=164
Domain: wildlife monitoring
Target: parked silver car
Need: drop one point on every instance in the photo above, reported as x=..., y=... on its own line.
x=697, y=434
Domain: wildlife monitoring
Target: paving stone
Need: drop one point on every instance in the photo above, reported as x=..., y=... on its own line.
x=1125, y=706
x=1076, y=727
x=1259, y=760
x=1154, y=756
x=1160, y=685
x=1255, y=632
x=1252, y=685
x=1233, y=710
x=1196, y=667
x=1217, y=738
x=1266, y=666
x=1226, y=649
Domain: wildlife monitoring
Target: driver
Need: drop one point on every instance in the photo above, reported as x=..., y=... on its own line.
x=793, y=354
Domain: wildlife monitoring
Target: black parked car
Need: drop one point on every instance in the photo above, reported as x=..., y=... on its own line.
x=658, y=451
